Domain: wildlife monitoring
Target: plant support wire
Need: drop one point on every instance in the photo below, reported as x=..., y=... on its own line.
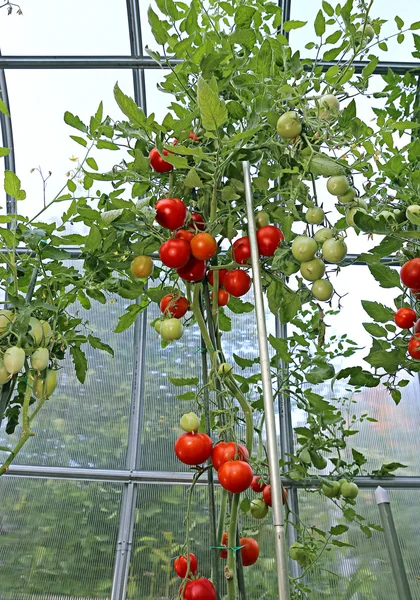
x=270, y=424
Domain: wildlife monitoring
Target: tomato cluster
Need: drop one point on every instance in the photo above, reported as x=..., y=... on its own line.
x=194, y=589
x=406, y=318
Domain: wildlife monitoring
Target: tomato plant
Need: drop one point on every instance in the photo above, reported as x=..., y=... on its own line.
x=175, y=253
x=171, y=213
x=174, y=304
x=193, y=448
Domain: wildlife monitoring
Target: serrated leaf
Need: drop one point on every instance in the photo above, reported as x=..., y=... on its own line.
x=110, y=215
x=390, y=361
x=319, y=23
x=213, y=112
x=280, y=346
x=378, y=311
x=385, y=276
x=289, y=25
x=93, y=240
x=74, y=121
x=375, y=330
x=12, y=186
x=244, y=16
x=238, y=306
x=225, y=322
x=97, y=343
x=158, y=29
x=243, y=362
x=192, y=179
x=182, y=381
x=125, y=321
x=80, y=363
x=79, y=140
x=386, y=247
x=339, y=529
x=129, y=107
x=186, y=396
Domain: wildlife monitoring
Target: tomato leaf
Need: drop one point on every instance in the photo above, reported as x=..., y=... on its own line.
x=213, y=111
x=186, y=396
x=75, y=122
x=319, y=23
x=237, y=306
x=385, y=276
x=378, y=311
x=244, y=16
x=157, y=26
x=12, y=186
x=389, y=361
x=182, y=381
x=244, y=362
x=338, y=529
x=80, y=363
x=289, y=25
x=126, y=320
x=95, y=342
x=225, y=322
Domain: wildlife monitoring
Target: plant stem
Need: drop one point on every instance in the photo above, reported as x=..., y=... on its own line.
x=246, y=409
x=196, y=308
x=222, y=516
x=26, y=431
x=230, y=571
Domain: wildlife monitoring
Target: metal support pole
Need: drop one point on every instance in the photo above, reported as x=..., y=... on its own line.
x=136, y=44
x=270, y=424
x=392, y=544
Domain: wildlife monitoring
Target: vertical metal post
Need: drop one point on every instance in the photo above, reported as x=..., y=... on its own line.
x=273, y=458
x=7, y=137
x=136, y=44
x=392, y=544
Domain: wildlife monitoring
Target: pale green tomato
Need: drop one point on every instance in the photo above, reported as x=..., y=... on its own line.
x=362, y=204
x=318, y=461
x=303, y=556
x=334, y=250
x=47, y=333
x=262, y=219
x=322, y=290
x=314, y=216
x=323, y=234
x=413, y=214
x=368, y=33
x=39, y=359
x=189, y=422
x=347, y=196
x=14, y=359
x=349, y=490
x=171, y=329
x=304, y=456
x=50, y=380
x=289, y=125
x=158, y=325
x=328, y=107
x=225, y=369
x=332, y=490
x=399, y=215
x=351, y=213
x=342, y=481
x=259, y=508
x=312, y=270
x=338, y=185
x=35, y=330
x=4, y=373
x=6, y=317
x=304, y=248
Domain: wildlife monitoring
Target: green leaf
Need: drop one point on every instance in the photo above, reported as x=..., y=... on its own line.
x=75, y=122
x=390, y=361
x=245, y=505
x=370, y=68
x=4, y=151
x=401, y=125
x=238, y=306
x=375, y=330
x=225, y=322
x=358, y=457
x=192, y=179
x=126, y=320
x=399, y=22
x=319, y=23
x=129, y=107
x=92, y=163
x=95, y=342
x=213, y=112
x=289, y=25
x=182, y=381
x=281, y=347
x=55, y=253
x=290, y=305
x=243, y=362
x=386, y=247
x=328, y=8
x=80, y=363
x=415, y=26
x=338, y=529
x=72, y=187
x=264, y=62
x=334, y=37
x=186, y=396
x=94, y=239
x=106, y=145
x=378, y=311
x=320, y=374
x=385, y=276
x=158, y=29
x=110, y=215
x=3, y=108
x=12, y=186
x=358, y=377
x=244, y=16
x=79, y=140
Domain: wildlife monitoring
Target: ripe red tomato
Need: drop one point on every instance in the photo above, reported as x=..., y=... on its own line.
x=241, y=251
x=203, y=246
x=222, y=297
x=199, y=589
x=257, y=485
x=222, y=275
x=225, y=451
x=175, y=253
x=181, y=565
x=268, y=239
x=410, y=273
x=193, y=448
x=197, y=222
x=417, y=327
x=170, y=213
x=193, y=136
x=194, y=270
x=237, y=282
x=250, y=551
x=174, y=304
x=267, y=495
x=183, y=234
x=223, y=553
x=235, y=476
x=405, y=318
x=416, y=293
x=414, y=347
x=157, y=163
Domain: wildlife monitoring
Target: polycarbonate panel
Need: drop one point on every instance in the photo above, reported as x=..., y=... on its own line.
x=83, y=28
x=395, y=436
x=42, y=139
x=363, y=572
x=156, y=100
x=87, y=425
x=57, y=538
x=160, y=534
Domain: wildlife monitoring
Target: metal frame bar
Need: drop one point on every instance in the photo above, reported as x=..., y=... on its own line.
x=7, y=138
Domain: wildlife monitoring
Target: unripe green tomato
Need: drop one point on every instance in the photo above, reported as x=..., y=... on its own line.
x=39, y=359
x=314, y=215
x=158, y=325
x=225, y=369
x=171, y=329
x=4, y=373
x=399, y=215
x=350, y=215
x=259, y=508
x=289, y=125
x=189, y=422
x=413, y=214
x=47, y=333
x=303, y=556
x=328, y=107
x=334, y=250
x=262, y=219
x=323, y=234
x=322, y=290
x=338, y=185
x=349, y=490
x=368, y=33
x=296, y=551
x=312, y=269
x=50, y=380
x=304, y=248
x=35, y=330
x=14, y=359
x=342, y=481
x=6, y=317
x=304, y=456
x=362, y=204
x=332, y=490
x=318, y=461
x=347, y=196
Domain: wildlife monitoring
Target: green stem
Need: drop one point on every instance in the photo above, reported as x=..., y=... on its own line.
x=230, y=570
x=196, y=309
x=26, y=432
x=215, y=303
x=171, y=184
x=222, y=516
x=213, y=205
x=246, y=409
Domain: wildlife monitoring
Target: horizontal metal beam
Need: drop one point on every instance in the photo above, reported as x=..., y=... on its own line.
x=169, y=478
x=146, y=62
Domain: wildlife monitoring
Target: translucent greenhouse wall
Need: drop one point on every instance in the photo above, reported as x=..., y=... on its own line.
x=94, y=503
